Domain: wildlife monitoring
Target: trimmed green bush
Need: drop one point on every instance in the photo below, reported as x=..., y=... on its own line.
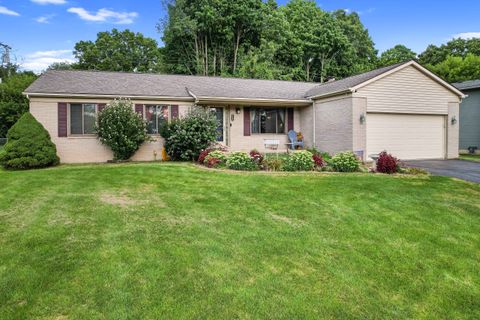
x=121, y=128
x=186, y=137
x=29, y=146
x=345, y=162
x=299, y=161
x=240, y=161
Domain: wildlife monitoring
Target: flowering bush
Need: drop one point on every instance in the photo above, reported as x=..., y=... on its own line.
x=386, y=163
x=345, y=162
x=299, y=161
x=318, y=160
x=121, y=128
x=240, y=161
x=256, y=156
x=203, y=154
x=212, y=162
x=272, y=164
x=217, y=154
x=185, y=138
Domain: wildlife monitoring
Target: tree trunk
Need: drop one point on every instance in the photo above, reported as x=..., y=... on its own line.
x=235, y=52
x=206, y=56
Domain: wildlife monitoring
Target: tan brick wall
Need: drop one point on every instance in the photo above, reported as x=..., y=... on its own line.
x=85, y=149
x=334, y=125
x=453, y=130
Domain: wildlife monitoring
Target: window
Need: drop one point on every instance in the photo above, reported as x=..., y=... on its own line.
x=82, y=118
x=156, y=116
x=218, y=112
x=267, y=120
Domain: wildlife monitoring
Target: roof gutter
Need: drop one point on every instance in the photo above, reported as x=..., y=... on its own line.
x=332, y=94
x=103, y=96
x=258, y=101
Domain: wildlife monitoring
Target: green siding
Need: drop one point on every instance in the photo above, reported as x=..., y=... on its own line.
x=470, y=120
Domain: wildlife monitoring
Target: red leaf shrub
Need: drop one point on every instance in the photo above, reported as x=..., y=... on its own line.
x=203, y=154
x=319, y=162
x=386, y=163
x=256, y=156
x=213, y=162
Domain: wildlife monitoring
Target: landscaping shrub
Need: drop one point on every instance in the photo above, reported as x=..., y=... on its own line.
x=386, y=163
x=212, y=162
x=29, y=146
x=272, y=164
x=345, y=162
x=186, y=137
x=299, y=161
x=240, y=161
x=203, y=154
x=256, y=156
x=318, y=160
x=216, y=154
x=121, y=128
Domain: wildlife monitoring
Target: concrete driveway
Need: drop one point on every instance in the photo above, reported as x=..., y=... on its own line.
x=461, y=169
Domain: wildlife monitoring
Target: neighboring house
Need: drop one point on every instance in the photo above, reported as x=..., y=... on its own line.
x=469, y=115
x=404, y=109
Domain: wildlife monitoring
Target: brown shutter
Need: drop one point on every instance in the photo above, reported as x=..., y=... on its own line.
x=246, y=121
x=100, y=106
x=139, y=109
x=290, y=119
x=174, y=111
x=62, y=119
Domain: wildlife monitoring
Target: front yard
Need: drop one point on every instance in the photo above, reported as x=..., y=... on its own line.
x=151, y=241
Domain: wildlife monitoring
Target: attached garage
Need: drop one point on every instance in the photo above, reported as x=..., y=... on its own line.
x=407, y=136
x=403, y=109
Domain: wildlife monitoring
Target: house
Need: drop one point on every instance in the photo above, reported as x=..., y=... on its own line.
x=403, y=108
x=470, y=116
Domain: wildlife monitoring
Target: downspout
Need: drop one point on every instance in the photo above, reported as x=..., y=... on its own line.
x=192, y=94
x=314, y=116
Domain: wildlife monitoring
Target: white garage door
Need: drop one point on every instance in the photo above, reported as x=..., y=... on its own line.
x=406, y=136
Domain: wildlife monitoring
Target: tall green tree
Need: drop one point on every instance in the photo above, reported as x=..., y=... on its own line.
x=13, y=104
x=359, y=37
x=397, y=54
x=457, y=69
x=457, y=47
x=119, y=51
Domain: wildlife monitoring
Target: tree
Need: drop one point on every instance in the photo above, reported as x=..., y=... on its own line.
x=62, y=66
x=457, y=47
x=456, y=69
x=397, y=54
x=29, y=146
x=119, y=51
x=121, y=128
x=13, y=104
x=363, y=45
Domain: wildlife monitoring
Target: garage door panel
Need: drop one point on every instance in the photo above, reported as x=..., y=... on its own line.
x=406, y=136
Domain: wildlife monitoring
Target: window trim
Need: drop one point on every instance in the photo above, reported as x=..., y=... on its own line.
x=69, y=119
x=252, y=109
x=145, y=106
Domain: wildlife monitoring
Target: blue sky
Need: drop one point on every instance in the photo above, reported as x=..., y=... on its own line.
x=45, y=31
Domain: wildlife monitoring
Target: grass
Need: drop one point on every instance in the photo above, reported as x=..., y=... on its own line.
x=470, y=157
x=151, y=241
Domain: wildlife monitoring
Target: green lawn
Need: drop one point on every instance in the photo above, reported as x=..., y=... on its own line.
x=160, y=241
x=470, y=157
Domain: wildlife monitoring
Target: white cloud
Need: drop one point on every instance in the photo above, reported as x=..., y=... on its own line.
x=40, y=60
x=49, y=1
x=105, y=15
x=44, y=19
x=4, y=10
x=467, y=35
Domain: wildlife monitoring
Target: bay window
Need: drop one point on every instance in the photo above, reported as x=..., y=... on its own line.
x=267, y=120
x=82, y=118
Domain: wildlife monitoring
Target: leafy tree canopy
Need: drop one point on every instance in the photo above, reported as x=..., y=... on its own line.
x=119, y=51
x=397, y=54
x=457, y=69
